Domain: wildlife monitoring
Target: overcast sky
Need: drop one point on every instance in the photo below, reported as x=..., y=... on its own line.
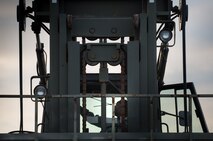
x=199, y=59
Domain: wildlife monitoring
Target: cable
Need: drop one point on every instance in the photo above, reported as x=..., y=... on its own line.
x=44, y=27
x=159, y=29
x=174, y=17
x=45, y=112
x=114, y=86
x=45, y=115
x=45, y=53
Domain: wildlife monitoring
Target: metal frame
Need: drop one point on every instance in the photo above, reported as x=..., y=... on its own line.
x=191, y=87
x=65, y=28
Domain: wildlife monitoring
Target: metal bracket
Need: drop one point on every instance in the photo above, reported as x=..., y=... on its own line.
x=103, y=52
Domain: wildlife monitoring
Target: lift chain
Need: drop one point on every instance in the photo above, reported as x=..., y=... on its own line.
x=84, y=91
x=123, y=103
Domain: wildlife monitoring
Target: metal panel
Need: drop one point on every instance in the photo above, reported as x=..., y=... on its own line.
x=148, y=78
x=143, y=54
x=144, y=112
x=63, y=80
x=106, y=8
x=151, y=49
x=103, y=52
x=152, y=67
x=51, y=124
x=133, y=86
x=73, y=85
x=93, y=27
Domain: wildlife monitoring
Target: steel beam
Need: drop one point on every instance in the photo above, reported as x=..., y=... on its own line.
x=93, y=27
x=63, y=72
x=152, y=65
x=52, y=108
x=73, y=86
x=133, y=86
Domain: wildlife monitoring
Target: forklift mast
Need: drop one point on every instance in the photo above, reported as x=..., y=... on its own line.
x=103, y=33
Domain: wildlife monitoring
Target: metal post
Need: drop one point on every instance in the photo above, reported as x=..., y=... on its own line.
x=152, y=84
x=75, y=120
x=190, y=114
x=103, y=107
x=63, y=73
x=134, y=116
x=52, y=107
x=176, y=112
x=84, y=91
x=73, y=85
x=151, y=118
x=21, y=77
x=113, y=118
x=36, y=114
x=122, y=89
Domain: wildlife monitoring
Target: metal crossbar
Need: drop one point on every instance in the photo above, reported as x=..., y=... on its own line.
x=108, y=95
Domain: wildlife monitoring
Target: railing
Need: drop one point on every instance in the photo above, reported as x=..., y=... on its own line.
x=113, y=135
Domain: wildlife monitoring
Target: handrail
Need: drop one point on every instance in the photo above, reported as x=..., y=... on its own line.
x=91, y=95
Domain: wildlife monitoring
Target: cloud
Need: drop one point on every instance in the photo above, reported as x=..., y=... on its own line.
x=8, y=8
x=199, y=37
x=201, y=21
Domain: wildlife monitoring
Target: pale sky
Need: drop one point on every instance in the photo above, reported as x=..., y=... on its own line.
x=199, y=60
